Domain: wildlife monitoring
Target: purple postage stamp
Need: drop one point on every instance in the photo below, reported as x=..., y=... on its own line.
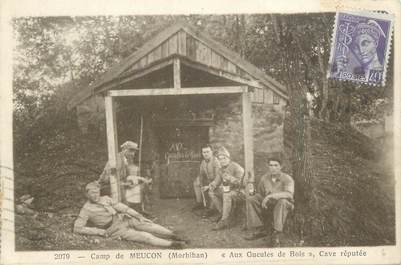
x=360, y=47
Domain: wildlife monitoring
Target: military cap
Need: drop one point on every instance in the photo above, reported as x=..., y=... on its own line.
x=94, y=185
x=130, y=145
x=222, y=151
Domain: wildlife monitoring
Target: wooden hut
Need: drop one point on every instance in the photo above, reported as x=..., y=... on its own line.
x=180, y=90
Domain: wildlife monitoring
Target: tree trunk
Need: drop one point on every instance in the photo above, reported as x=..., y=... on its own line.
x=298, y=119
x=323, y=113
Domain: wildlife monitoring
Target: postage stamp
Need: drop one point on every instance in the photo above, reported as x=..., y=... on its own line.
x=360, y=47
x=176, y=136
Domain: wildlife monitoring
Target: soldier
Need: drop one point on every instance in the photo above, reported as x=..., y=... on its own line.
x=125, y=157
x=116, y=220
x=207, y=173
x=227, y=187
x=274, y=198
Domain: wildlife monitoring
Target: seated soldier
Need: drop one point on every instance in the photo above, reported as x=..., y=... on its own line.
x=226, y=187
x=274, y=198
x=207, y=173
x=116, y=220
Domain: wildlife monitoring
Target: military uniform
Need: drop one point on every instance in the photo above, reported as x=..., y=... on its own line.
x=121, y=169
x=207, y=173
x=279, y=208
x=223, y=200
x=108, y=218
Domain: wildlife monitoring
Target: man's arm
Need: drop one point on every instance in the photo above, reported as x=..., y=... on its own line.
x=217, y=181
x=287, y=192
x=280, y=195
x=202, y=174
x=236, y=178
x=122, y=208
x=81, y=228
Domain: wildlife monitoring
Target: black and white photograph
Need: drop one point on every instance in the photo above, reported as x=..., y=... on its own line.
x=204, y=131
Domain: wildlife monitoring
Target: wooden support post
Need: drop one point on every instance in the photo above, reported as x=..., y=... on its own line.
x=248, y=136
x=177, y=73
x=248, y=145
x=112, y=148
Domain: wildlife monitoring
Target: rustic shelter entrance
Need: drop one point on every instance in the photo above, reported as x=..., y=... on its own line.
x=182, y=90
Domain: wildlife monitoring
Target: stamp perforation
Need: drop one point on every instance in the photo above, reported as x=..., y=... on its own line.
x=366, y=75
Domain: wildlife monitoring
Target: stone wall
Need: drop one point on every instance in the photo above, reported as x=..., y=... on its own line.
x=268, y=124
x=228, y=129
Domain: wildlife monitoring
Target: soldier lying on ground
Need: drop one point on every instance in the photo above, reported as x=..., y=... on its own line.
x=116, y=220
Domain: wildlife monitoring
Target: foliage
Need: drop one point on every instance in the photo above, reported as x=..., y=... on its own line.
x=57, y=56
x=52, y=51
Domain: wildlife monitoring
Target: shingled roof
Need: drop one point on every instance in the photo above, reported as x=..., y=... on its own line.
x=177, y=40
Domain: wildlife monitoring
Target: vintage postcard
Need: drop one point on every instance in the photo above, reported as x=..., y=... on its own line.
x=149, y=133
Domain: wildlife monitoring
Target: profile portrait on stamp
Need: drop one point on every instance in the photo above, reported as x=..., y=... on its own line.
x=204, y=133
x=360, y=47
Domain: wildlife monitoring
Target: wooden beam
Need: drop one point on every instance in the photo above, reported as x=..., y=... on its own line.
x=119, y=68
x=236, y=59
x=248, y=136
x=128, y=77
x=221, y=73
x=177, y=73
x=112, y=147
x=177, y=92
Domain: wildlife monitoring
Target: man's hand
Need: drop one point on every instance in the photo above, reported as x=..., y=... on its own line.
x=229, y=178
x=265, y=200
x=127, y=184
x=204, y=188
x=104, y=233
x=212, y=186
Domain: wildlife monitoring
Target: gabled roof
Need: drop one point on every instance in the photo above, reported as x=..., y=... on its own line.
x=176, y=40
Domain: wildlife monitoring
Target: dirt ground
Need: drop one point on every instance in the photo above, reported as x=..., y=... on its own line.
x=352, y=194
x=50, y=231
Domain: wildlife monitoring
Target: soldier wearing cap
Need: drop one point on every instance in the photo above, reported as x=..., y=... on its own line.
x=226, y=187
x=123, y=159
x=116, y=220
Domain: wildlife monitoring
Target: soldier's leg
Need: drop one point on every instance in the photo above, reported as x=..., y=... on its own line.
x=216, y=198
x=280, y=212
x=228, y=198
x=149, y=227
x=197, y=190
x=154, y=228
x=145, y=237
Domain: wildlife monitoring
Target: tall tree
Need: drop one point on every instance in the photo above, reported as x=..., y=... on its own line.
x=286, y=30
